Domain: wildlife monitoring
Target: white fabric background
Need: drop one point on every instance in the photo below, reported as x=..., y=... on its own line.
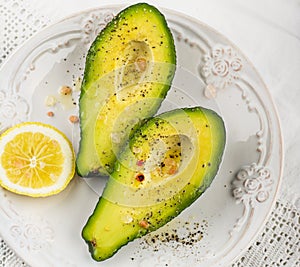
x=268, y=32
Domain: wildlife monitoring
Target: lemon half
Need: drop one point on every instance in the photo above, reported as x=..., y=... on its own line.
x=36, y=160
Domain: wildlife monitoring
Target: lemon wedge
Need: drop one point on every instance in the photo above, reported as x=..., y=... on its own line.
x=36, y=160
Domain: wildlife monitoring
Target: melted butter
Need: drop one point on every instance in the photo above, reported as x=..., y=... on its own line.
x=66, y=101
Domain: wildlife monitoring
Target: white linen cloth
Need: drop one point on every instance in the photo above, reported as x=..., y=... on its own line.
x=268, y=32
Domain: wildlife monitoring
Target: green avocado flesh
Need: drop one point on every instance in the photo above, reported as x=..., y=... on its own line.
x=168, y=163
x=128, y=72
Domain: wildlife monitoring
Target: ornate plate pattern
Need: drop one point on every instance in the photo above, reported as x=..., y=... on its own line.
x=211, y=72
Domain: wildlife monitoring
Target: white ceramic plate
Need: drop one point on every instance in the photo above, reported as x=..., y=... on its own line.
x=211, y=72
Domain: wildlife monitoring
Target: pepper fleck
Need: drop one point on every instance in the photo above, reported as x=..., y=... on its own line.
x=140, y=177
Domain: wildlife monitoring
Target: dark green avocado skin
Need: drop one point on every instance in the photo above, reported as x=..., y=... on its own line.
x=118, y=220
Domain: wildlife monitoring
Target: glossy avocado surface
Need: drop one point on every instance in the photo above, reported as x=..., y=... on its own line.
x=168, y=163
x=128, y=72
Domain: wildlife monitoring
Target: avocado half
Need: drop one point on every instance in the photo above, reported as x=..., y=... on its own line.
x=168, y=163
x=128, y=72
